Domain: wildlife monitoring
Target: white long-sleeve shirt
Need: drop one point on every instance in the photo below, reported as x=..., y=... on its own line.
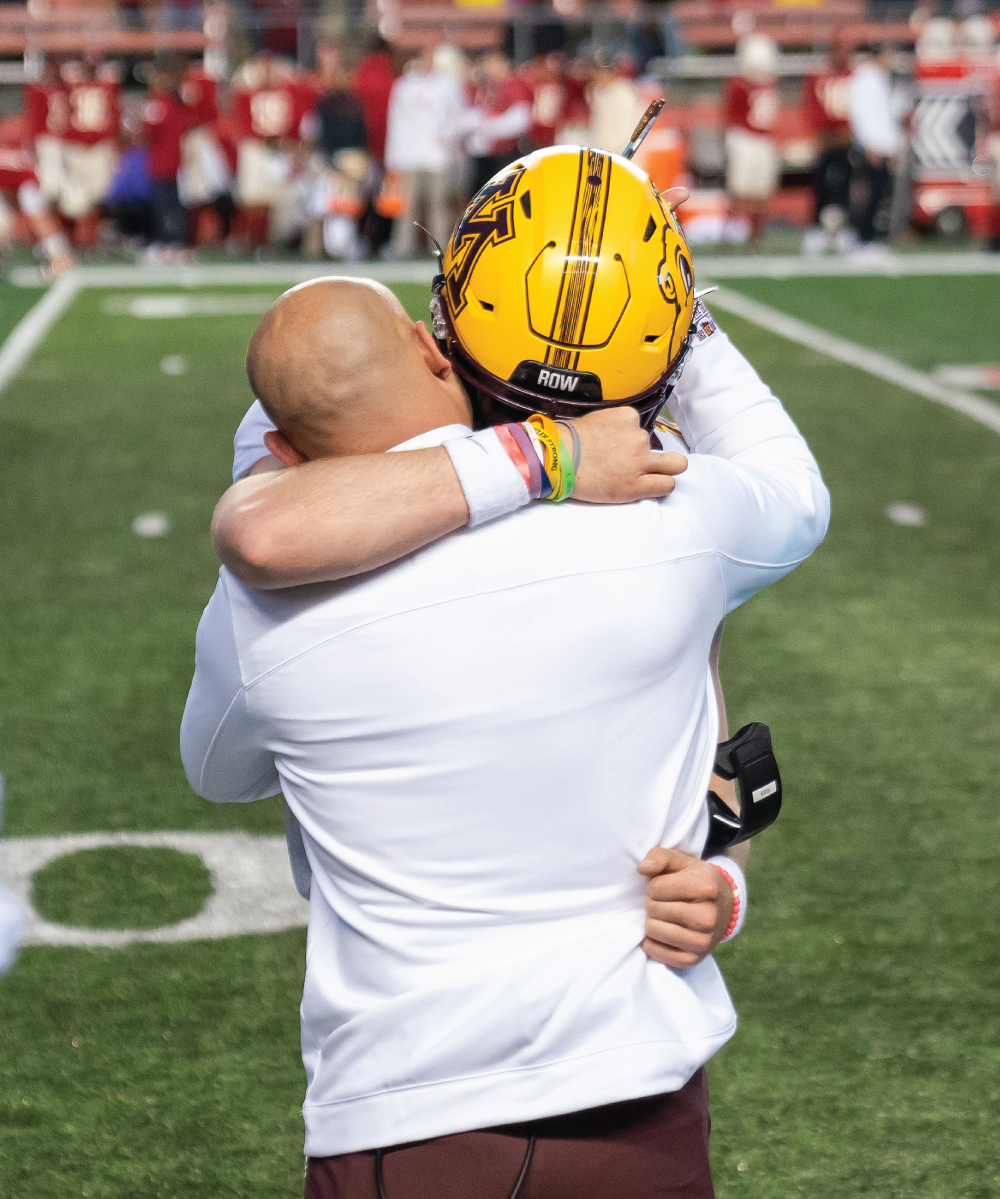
x=479, y=744
x=426, y=119
x=874, y=124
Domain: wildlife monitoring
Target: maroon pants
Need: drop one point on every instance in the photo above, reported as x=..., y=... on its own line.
x=655, y=1148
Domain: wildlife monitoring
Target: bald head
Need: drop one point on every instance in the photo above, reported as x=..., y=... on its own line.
x=341, y=369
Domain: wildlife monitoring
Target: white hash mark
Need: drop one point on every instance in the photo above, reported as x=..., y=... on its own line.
x=907, y=514
x=174, y=364
x=151, y=524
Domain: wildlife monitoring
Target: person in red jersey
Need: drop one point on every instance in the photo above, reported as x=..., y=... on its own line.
x=165, y=120
x=205, y=179
x=503, y=101
x=199, y=93
x=825, y=106
x=273, y=106
x=753, y=164
x=46, y=111
x=548, y=98
x=91, y=146
x=19, y=188
x=373, y=80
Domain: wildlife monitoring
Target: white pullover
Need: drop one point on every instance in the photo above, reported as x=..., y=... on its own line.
x=480, y=743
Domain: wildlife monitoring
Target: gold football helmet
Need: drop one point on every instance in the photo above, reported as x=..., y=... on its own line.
x=566, y=286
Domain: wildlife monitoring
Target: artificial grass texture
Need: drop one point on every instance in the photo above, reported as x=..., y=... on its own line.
x=15, y=302
x=153, y=1072
x=125, y=886
x=867, y=1059
x=926, y=321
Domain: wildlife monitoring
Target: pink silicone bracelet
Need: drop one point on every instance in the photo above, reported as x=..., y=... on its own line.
x=736, y=899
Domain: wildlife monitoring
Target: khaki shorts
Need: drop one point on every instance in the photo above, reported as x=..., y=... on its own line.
x=87, y=172
x=49, y=153
x=261, y=175
x=753, y=165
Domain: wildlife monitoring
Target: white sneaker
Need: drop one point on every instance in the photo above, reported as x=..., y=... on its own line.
x=814, y=243
x=873, y=252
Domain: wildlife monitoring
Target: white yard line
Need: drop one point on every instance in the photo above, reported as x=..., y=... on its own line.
x=234, y=274
x=880, y=365
x=890, y=265
x=33, y=326
x=735, y=267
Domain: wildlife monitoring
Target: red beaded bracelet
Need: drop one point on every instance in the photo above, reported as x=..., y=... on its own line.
x=736, y=898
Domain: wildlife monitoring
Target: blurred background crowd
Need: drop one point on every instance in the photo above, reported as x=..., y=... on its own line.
x=165, y=130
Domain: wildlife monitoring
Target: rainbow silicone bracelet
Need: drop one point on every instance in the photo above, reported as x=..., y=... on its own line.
x=547, y=432
x=542, y=456
x=516, y=455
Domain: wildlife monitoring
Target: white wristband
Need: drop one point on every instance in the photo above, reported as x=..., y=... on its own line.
x=738, y=878
x=492, y=483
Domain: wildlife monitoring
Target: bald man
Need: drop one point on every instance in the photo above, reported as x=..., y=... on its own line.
x=479, y=743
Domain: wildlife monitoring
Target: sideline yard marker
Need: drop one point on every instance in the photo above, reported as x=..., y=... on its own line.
x=32, y=327
x=870, y=361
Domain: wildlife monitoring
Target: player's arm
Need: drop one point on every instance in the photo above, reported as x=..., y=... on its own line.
x=335, y=517
x=756, y=487
x=758, y=493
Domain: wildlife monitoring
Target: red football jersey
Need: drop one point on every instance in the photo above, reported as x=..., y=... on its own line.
x=165, y=120
x=373, y=82
x=15, y=168
x=93, y=113
x=824, y=99
x=547, y=108
x=46, y=109
x=275, y=111
x=198, y=91
x=752, y=106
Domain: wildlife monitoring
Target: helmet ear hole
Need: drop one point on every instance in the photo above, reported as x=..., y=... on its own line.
x=650, y=229
x=526, y=204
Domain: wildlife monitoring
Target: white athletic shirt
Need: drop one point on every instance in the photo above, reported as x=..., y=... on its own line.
x=480, y=743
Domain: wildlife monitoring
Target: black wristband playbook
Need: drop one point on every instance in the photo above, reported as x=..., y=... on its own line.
x=749, y=759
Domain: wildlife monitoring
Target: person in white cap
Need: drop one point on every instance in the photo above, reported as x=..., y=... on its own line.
x=426, y=114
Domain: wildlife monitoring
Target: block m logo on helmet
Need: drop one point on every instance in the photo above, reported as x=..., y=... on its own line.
x=488, y=221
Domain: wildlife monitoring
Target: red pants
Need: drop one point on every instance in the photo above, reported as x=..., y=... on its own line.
x=654, y=1148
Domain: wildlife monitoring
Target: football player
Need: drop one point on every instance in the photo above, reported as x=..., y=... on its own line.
x=20, y=189
x=753, y=162
x=273, y=104
x=91, y=145
x=46, y=110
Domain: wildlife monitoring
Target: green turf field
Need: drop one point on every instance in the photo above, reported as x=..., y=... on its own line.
x=868, y=1058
